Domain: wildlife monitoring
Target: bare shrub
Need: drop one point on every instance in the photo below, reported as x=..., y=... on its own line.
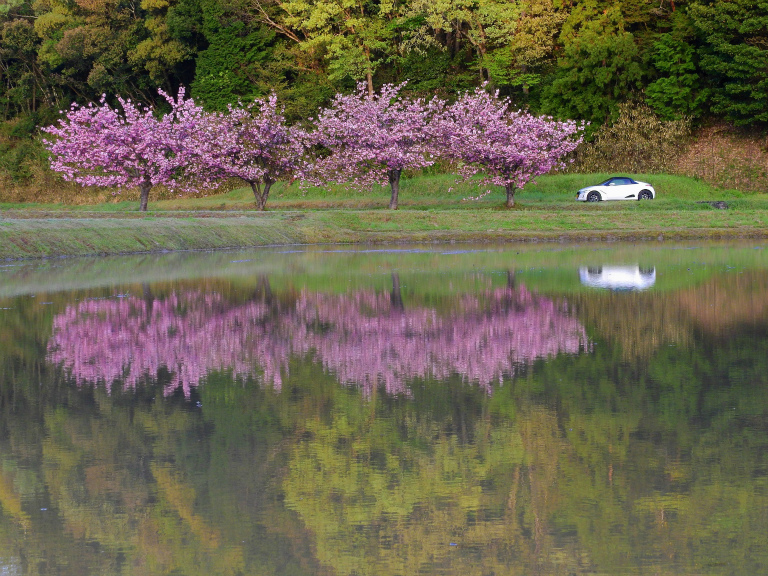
x=637, y=142
x=727, y=157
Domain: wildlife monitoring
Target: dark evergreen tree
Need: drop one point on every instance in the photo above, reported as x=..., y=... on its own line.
x=734, y=57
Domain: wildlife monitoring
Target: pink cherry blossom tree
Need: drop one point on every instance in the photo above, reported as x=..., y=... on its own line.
x=509, y=147
x=373, y=138
x=124, y=147
x=253, y=143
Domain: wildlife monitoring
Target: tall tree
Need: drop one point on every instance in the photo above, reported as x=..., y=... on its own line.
x=129, y=147
x=159, y=53
x=600, y=67
x=252, y=143
x=530, y=50
x=679, y=90
x=509, y=147
x=21, y=77
x=735, y=56
x=373, y=138
x=352, y=35
x=479, y=27
x=89, y=47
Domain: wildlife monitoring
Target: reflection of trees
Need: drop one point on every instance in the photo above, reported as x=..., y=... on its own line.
x=737, y=299
x=365, y=338
x=131, y=484
x=99, y=471
x=644, y=322
x=583, y=464
x=632, y=466
x=670, y=446
x=372, y=341
x=186, y=334
x=379, y=501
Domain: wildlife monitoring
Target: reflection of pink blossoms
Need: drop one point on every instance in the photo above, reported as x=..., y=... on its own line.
x=189, y=335
x=362, y=338
x=373, y=343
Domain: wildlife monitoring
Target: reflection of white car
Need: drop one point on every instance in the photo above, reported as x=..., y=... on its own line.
x=620, y=188
x=618, y=277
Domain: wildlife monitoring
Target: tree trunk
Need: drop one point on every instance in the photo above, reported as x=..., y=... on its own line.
x=369, y=72
x=511, y=280
x=265, y=194
x=456, y=37
x=394, y=184
x=510, y=195
x=261, y=196
x=526, y=88
x=509, y=295
x=263, y=290
x=396, y=296
x=145, y=188
x=149, y=299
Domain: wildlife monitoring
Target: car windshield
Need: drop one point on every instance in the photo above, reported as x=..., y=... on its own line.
x=617, y=181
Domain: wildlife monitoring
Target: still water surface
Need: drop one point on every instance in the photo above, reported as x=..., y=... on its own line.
x=492, y=411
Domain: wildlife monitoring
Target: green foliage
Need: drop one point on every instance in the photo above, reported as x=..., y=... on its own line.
x=734, y=57
x=432, y=71
x=601, y=67
x=578, y=60
x=19, y=71
x=21, y=154
x=15, y=160
x=679, y=91
x=352, y=38
x=530, y=51
x=234, y=66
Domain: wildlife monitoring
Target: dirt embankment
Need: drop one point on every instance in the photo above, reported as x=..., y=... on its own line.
x=727, y=157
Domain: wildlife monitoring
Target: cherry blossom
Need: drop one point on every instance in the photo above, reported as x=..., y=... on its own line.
x=509, y=147
x=124, y=147
x=251, y=142
x=373, y=138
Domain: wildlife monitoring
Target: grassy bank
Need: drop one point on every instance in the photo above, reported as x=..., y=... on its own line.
x=432, y=209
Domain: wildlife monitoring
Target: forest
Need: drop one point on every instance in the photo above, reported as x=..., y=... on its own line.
x=578, y=60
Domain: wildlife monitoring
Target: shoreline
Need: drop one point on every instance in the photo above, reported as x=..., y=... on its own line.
x=27, y=235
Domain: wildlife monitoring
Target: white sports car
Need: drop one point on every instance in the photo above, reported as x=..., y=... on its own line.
x=619, y=188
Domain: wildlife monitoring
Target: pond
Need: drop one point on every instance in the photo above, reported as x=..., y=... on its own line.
x=456, y=410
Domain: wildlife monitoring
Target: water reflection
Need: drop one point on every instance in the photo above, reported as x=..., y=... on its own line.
x=365, y=338
x=631, y=440
x=618, y=278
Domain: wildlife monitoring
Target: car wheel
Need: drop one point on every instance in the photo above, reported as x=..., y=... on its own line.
x=645, y=195
x=593, y=196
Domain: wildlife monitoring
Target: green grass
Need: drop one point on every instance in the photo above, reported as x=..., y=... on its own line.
x=432, y=208
x=440, y=192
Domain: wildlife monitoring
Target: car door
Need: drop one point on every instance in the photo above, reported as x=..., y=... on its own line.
x=631, y=189
x=623, y=189
x=613, y=189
